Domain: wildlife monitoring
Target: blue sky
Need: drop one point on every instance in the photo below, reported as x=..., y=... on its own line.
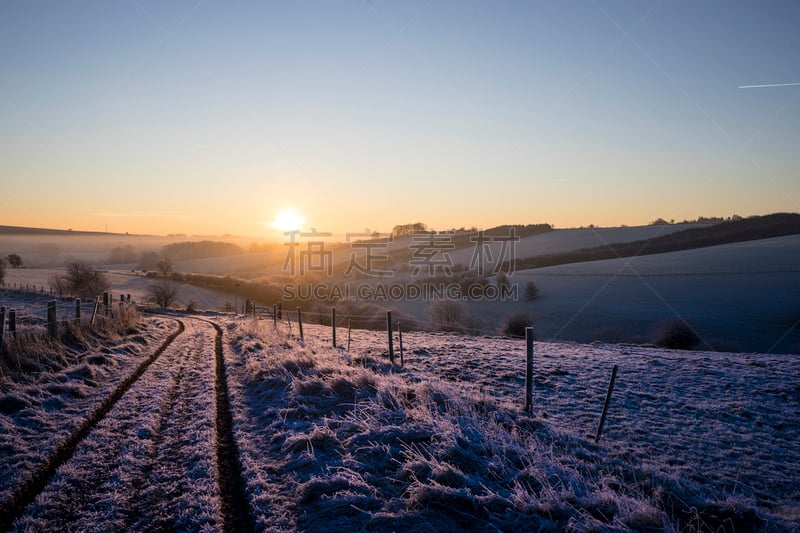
x=210, y=117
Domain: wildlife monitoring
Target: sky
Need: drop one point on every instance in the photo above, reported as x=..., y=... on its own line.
x=210, y=118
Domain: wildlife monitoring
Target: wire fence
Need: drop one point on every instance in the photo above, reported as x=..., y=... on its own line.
x=39, y=317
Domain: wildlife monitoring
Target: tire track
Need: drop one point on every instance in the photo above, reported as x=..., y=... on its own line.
x=37, y=480
x=235, y=507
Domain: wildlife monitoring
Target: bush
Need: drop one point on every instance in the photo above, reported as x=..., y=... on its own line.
x=676, y=334
x=162, y=293
x=447, y=315
x=516, y=324
x=14, y=260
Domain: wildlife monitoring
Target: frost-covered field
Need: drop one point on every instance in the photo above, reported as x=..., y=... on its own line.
x=122, y=282
x=38, y=409
x=331, y=439
x=694, y=440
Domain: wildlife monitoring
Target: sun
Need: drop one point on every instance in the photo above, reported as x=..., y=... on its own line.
x=288, y=220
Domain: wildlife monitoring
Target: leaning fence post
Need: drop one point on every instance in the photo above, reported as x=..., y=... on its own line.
x=78, y=310
x=300, y=322
x=529, y=370
x=333, y=325
x=400, y=338
x=52, y=325
x=605, y=404
x=94, y=311
x=390, y=329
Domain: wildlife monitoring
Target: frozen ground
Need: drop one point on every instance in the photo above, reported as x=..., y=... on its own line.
x=122, y=282
x=705, y=431
x=333, y=439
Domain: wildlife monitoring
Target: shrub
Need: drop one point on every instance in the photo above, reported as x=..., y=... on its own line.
x=516, y=324
x=162, y=293
x=14, y=260
x=676, y=334
x=447, y=315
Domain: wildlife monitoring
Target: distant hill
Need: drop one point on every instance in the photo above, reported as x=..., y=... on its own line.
x=747, y=229
x=21, y=230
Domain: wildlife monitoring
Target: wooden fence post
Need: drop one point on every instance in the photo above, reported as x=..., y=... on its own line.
x=349, y=330
x=390, y=329
x=78, y=310
x=12, y=323
x=400, y=338
x=529, y=370
x=94, y=311
x=2, y=325
x=106, y=307
x=606, y=403
x=333, y=325
x=300, y=322
x=275, y=315
x=52, y=324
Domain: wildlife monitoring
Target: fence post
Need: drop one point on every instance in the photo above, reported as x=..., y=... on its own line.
x=280, y=309
x=300, y=322
x=333, y=325
x=94, y=311
x=349, y=330
x=105, y=303
x=52, y=325
x=529, y=370
x=289, y=321
x=78, y=310
x=605, y=404
x=390, y=329
x=400, y=337
x=2, y=325
x=12, y=323
x=275, y=315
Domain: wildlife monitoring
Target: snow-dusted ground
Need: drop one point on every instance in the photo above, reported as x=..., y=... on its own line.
x=150, y=464
x=39, y=410
x=122, y=283
x=327, y=444
x=333, y=439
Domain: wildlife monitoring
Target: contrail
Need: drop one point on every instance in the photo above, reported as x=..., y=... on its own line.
x=768, y=85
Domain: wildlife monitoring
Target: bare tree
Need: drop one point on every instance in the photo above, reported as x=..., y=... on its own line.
x=165, y=267
x=162, y=293
x=82, y=280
